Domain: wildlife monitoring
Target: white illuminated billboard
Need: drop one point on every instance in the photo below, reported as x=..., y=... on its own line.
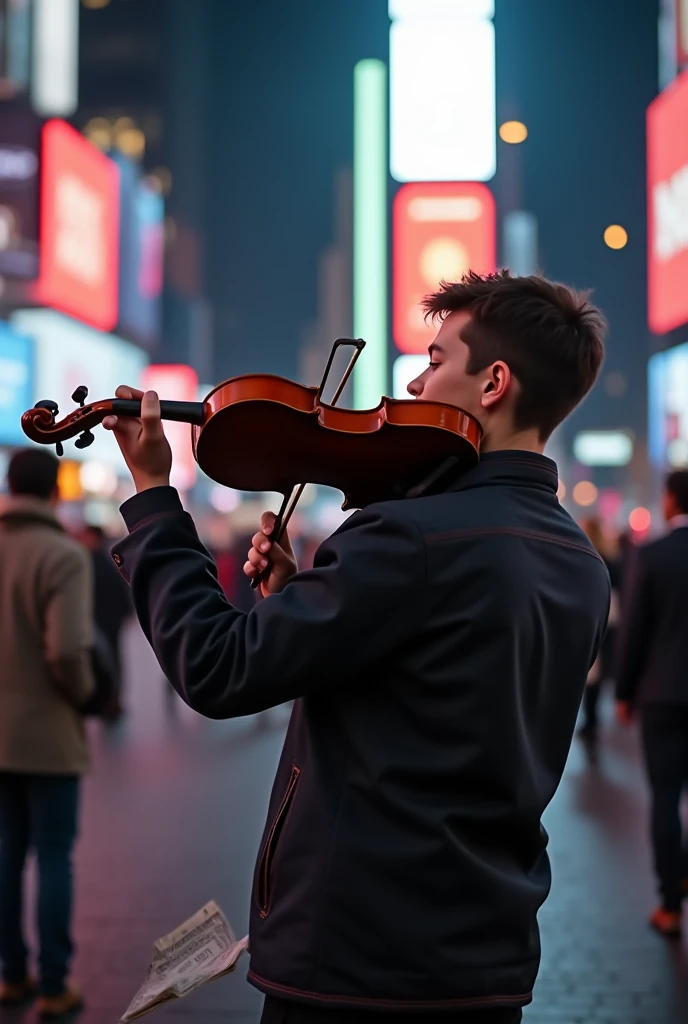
x=667, y=378
x=603, y=448
x=445, y=9
x=406, y=369
x=67, y=354
x=55, y=64
x=442, y=100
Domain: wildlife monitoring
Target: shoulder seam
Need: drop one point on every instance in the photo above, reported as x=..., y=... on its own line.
x=485, y=531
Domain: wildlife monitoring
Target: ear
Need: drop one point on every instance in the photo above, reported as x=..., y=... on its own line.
x=496, y=385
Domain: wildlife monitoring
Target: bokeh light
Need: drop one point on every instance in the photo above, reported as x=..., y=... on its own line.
x=98, y=131
x=615, y=236
x=585, y=493
x=640, y=519
x=615, y=384
x=513, y=132
x=131, y=142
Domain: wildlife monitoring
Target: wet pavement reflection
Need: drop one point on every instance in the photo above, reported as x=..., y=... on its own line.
x=172, y=816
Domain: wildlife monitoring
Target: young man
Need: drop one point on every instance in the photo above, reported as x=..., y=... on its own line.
x=45, y=633
x=439, y=649
x=652, y=678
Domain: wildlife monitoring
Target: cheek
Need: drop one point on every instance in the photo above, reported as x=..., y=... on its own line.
x=454, y=389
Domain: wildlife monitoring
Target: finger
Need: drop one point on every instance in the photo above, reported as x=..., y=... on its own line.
x=151, y=424
x=123, y=427
x=250, y=570
x=267, y=522
x=124, y=391
x=257, y=560
x=260, y=542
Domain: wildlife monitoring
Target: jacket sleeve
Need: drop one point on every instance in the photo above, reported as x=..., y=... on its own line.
x=635, y=631
x=68, y=625
x=327, y=628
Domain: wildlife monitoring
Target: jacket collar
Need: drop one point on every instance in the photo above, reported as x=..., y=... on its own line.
x=510, y=467
x=22, y=510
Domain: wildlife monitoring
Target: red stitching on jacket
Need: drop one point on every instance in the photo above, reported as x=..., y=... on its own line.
x=479, y=531
x=396, y=1004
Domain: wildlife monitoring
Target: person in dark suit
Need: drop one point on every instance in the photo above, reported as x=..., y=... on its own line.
x=437, y=651
x=653, y=681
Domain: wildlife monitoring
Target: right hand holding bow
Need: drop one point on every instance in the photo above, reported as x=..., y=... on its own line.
x=277, y=558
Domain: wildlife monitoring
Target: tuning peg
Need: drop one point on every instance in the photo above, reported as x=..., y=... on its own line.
x=84, y=440
x=80, y=395
x=46, y=403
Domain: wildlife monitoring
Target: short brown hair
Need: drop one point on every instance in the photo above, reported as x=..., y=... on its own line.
x=551, y=337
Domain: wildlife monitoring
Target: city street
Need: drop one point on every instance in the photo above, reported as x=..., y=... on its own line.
x=172, y=817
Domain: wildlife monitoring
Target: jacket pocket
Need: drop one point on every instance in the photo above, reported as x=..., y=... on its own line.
x=272, y=842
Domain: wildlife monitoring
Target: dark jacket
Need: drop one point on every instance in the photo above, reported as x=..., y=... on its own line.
x=440, y=649
x=652, y=656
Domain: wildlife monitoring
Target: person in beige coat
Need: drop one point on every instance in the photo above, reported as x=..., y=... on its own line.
x=45, y=677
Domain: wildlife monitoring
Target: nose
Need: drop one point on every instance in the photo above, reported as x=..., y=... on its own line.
x=415, y=388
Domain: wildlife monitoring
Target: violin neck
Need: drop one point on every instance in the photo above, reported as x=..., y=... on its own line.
x=180, y=412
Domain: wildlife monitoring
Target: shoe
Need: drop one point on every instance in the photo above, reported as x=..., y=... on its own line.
x=666, y=922
x=54, y=1007
x=14, y=993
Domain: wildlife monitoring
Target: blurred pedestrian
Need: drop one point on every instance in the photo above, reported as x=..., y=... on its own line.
x=112, y=605
x=653, y=681
x=602, y=670
x=45, y=624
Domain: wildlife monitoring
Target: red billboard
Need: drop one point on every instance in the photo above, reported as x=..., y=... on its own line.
x=667, y=205
x=79, y=235
x=440, y=232
x=177, y=383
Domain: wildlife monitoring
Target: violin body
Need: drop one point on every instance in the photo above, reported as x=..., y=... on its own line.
x=260, y=432
x=266, y=433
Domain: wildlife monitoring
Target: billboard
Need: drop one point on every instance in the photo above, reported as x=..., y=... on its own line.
x=20, y=135
x=442, y=94
x=141, y=252
x=667, y=203
x=16, y=383
x=667, y=379
x=176, y=382
x=79, y=228
x=440, y=232
x=67, y=354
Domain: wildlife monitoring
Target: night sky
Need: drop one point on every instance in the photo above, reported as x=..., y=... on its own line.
x=580, y=76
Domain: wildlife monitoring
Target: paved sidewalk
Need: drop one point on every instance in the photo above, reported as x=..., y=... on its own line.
x=172, y=817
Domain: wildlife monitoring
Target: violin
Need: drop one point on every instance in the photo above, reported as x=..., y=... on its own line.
x=370, y=455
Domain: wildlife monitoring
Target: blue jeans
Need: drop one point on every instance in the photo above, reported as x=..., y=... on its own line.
x=37, y=812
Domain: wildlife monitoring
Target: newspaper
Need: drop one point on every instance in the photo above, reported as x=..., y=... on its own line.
x=200, y=950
